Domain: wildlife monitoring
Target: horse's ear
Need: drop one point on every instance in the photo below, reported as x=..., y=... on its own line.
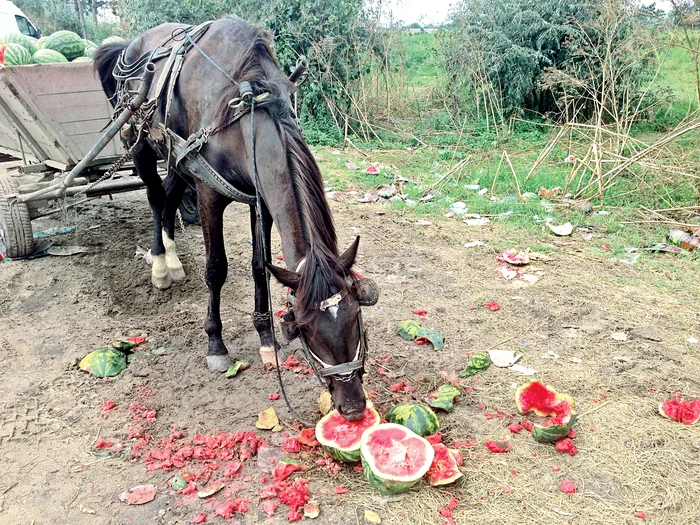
x=348, y=257
x=284, y=276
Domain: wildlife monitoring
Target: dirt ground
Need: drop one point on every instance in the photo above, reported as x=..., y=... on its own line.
x=54, y=310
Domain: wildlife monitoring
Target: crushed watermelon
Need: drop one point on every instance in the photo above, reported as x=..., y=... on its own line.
x=686, y=412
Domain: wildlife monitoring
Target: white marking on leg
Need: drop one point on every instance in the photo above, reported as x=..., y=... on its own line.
x=267, y=354
x=177, y=272
x=160, y=276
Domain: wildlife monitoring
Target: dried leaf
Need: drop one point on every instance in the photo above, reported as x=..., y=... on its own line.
x=267, y=419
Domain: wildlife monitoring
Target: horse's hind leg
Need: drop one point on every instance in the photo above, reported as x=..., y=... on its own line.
x=262, y=317
x=174, y=190
x=145, y=162
x=211, y=208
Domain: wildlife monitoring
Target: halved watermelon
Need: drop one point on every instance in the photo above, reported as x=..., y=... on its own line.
x=686, y=412
x=547, y=402
x=394, y=458
x=341, y=438
x=443, y=470
x=418, y=417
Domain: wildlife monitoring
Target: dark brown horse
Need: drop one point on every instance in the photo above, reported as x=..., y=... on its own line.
x=290, y=185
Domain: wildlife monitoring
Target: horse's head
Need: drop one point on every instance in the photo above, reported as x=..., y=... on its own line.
x=332, y=329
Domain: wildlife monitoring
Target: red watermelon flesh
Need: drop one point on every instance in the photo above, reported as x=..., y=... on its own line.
x=343, y=433
x=2, y=53
x=686, y=412
x=397, y=452
x=544, y=401
x=444, y=469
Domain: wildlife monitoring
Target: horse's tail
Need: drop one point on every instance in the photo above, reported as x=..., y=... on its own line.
x=105, y=58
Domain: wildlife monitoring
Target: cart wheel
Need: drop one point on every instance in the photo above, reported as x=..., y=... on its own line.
x=189, y=207
x=15, y=223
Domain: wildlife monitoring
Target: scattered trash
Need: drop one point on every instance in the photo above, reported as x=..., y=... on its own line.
x=370, y=196
x=619, y=336
x=351, y=165
x=236, y=367
x=61, y=230
x=472, y=187
x=693, y=340
x=413, y=330
x=428, y=197
x=483, y=221
x=561, y=512
x=267, y=419
x=576, y=360
x=520, y=278
x=387, y=191
x=504, y=358
x=139, y=495
x=67, y=250
x=423, y=222
x=525, y=370
x=144, y=254
x=683, y=240
x=87, y=510
x=474, y=244
x=563, y=230
x=443, y=398
x=549, y=355
x=477, y=362
x=516, y=259
x=663, y=248
x=458, y=208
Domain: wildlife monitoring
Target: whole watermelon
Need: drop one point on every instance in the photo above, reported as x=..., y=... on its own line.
x=17, y=38
x=39, y=44
x=89, y=43
x=82, y=59
x=48, y=56
x=89, y=51
x=16, y=55
x=416, y=416
x=68, y=43
x=112, y=40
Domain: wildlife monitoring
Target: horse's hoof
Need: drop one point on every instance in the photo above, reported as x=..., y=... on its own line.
x=219, y=363
x=267, y=354
x=162, y=283
x=177, y=273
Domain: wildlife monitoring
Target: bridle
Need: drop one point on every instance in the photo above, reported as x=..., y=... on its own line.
x=344, y=372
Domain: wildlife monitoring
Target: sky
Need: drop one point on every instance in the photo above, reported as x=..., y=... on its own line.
x=436, y=11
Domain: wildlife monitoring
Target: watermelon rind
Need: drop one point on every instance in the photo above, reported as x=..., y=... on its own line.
x=418, y=417
x=104, y=362
x=443, y=470
x=68, y=43
x=554, y=404
x=350, y=454
x=16, y=55
x=18, y=38
x=48, y=56
x=552, y=433
x=89, y=51
x=387, y=484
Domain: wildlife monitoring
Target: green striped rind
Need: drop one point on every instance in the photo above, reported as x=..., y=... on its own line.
x=112, y=40
x=39, y=44
x=417, y=417
x=16, y=55
x=348, y=454
x=105, y=362
x=479, y=361
x=68, y=43
x=385, y=486
x=17, y=38
x=88, y=43
x=48, y=56
x=553, y=432
x=89, y=51
x=82, y=59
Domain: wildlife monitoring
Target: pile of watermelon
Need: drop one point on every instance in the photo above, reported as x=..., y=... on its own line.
x=62, y=46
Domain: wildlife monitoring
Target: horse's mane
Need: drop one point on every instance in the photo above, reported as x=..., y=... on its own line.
x=321, y=276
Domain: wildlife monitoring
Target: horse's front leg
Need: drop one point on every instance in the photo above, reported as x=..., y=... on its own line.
x=175, y=187
x=262, y=317
x=211, y=208
x=145, y=162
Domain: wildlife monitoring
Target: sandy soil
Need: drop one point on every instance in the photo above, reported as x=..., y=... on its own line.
x=54, y=310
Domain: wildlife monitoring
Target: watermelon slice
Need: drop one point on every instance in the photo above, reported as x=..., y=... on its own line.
x=547, y=402
x=686, y=412
x=443, y=470
x=394, y=458
x=340, y=437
